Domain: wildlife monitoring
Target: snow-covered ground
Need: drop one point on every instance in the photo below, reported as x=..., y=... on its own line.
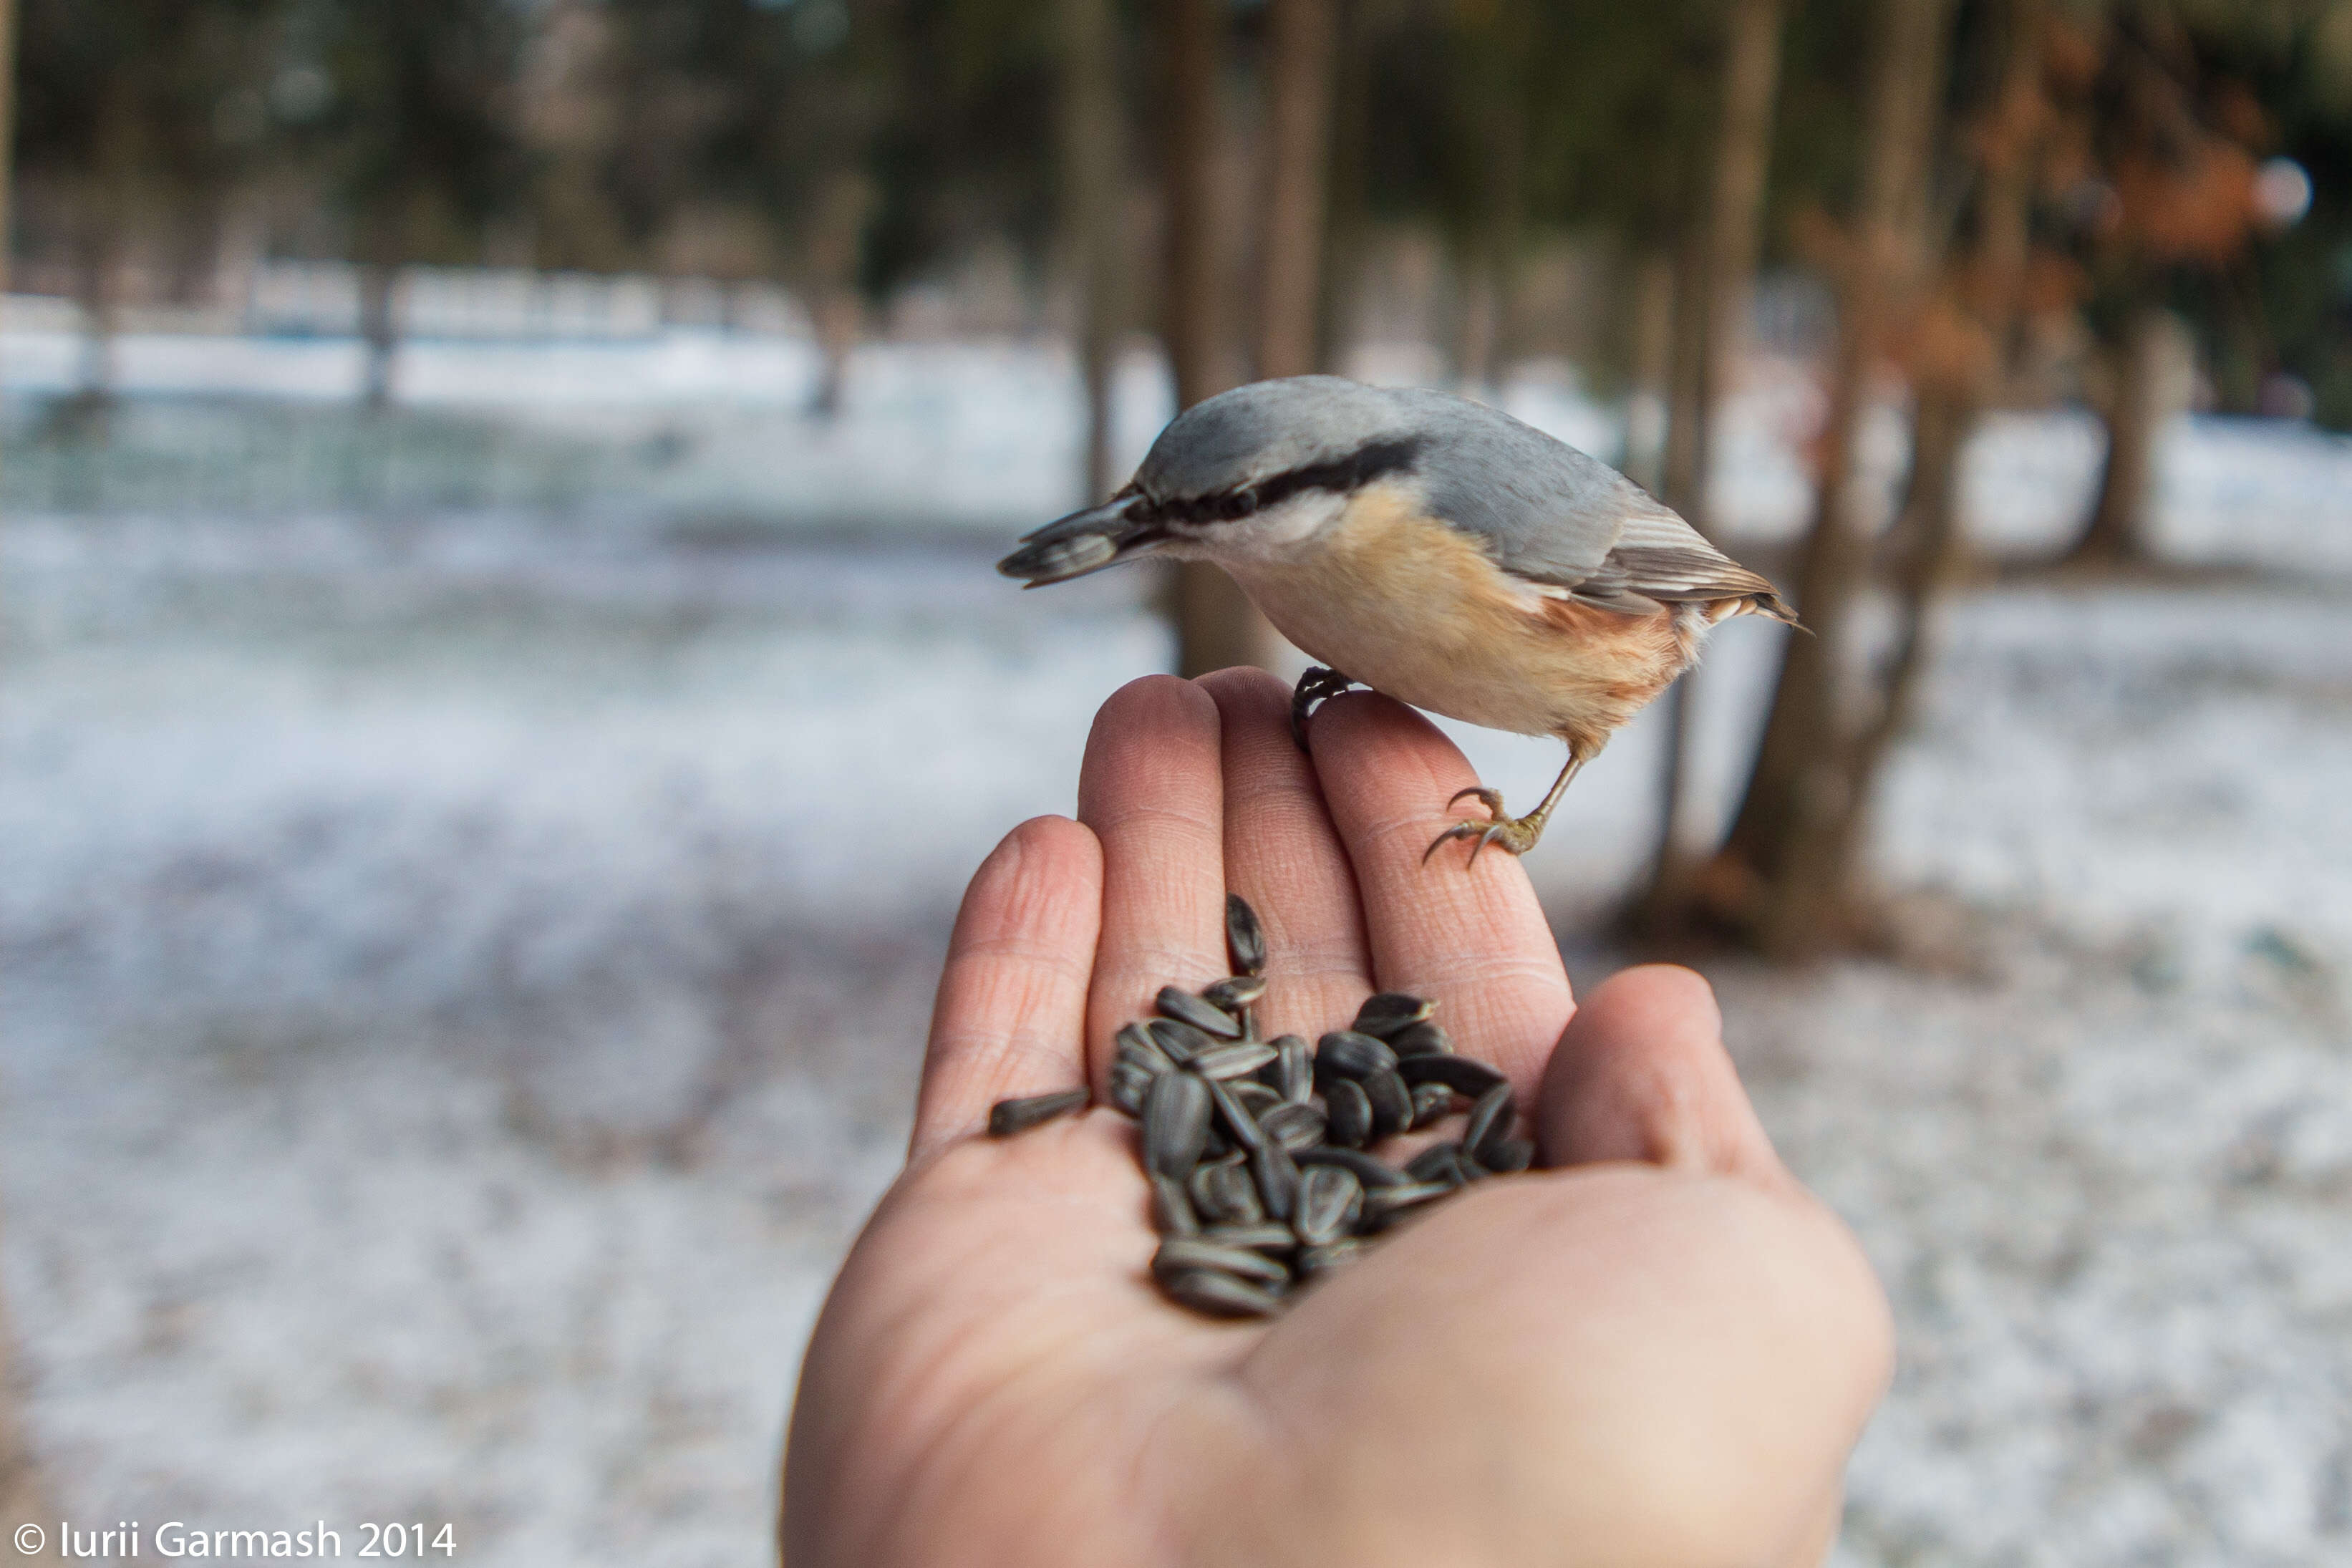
x=462, y=996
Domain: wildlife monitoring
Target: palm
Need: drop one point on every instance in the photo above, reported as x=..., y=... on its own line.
x=1659, y=1342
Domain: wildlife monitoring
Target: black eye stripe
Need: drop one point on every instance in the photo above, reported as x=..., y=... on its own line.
x=1353, y=471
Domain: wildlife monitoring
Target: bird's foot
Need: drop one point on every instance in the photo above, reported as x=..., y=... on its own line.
x=1517, y=834
x=1313, y=687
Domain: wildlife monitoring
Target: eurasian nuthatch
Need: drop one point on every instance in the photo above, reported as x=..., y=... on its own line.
x=1439, y=550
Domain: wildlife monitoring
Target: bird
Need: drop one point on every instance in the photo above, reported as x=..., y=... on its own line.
x=1434, y=549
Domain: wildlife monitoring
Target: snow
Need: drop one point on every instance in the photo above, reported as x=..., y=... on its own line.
x=467, y=969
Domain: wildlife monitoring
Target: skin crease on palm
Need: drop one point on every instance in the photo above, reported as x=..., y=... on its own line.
x=1657, y=1349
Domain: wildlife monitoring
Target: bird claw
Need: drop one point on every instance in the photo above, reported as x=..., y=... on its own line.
x=1313, y=687
x=1515, y=835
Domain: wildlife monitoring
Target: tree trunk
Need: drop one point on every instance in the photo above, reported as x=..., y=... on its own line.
x=379, y=332
x=1651, y=357
x=2135, y=409
x=1300, y=37
x=1092, y=219
x=837, y=225
x=1782, y=846
x=1717, y=272
x=1216, y=625
x=1347, y=205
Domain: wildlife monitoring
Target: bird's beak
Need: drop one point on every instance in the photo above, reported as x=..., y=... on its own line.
x=1082, y=541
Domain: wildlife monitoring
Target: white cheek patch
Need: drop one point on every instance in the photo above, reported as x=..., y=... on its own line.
x=1278, y=530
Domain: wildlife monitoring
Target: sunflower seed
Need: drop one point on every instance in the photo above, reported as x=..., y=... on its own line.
x=1178, y=1254
x=1471, y=1170
x=1129, y=1085
x=1386, y=1202
x=1225, y=1194
x=1506, y=1156
x=1391, y=1103
x=1348, y=1115
x=1489, y=1119
x=1295, y=1127
x=1255, y=1098
x=1391, y=1012
x=1239, y=1059
x=1010, y=1116
x=1368, y=1170
x=1244, y=935
x=1172, y=1208
x=1179, y=1042
x=1315, y=1260
x=1135, y=1045
x=1277, y=1179
x=1218, y=1295
x=1430, y=1101
x=1205, y=1016
x=1422, y=1039
x=1266, y=1238
x=1346, y=1054
x=1234, y=992
x=1330, y=1202
x=1294, y=1067
x=1234, y=1117
x=1175, y=1124
x=1440, y=1163
x=1460, y=1074
x=1216, y=1145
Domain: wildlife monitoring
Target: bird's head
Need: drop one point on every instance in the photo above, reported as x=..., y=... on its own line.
x=1258, y=470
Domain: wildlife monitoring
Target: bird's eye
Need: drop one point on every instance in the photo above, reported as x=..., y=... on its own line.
x=1239, y=503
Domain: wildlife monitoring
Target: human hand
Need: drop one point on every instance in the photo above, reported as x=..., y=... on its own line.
x=1657, y=1349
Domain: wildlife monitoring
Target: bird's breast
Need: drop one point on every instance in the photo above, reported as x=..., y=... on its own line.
x=1415, y=607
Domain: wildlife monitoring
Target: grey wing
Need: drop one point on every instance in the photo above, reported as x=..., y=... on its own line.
x=1659, y=559
x=1555, y=517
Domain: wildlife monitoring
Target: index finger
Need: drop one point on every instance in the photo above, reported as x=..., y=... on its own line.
x=1472, y=938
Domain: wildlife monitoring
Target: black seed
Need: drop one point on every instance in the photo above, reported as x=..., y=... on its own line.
x=1011, y=1116
x=1430, y=1101
x=1172, y=1208
x=1423, y=1039
x=1295, y=1127
x=1489, y=1119
x=1218, y=1295
x=1225, y=1194
x=1235, y=991
x=1346, y=1054
x=1391, y=1103
x=1135, y=1045
x=1234, y=1117
x=1388, y=1203
x=1440, y=1163
x=1179, y=1042
x=1205, y=1016
x=1390, y=1012
x=1369, y=1169
x=1175, y=1124
x=1239, y=1059
x=1461, y=1074
x=1348, y=1114
x=1506, y=1156
x=1294, y=1067
x=1277, y=1179
x=1244, y=935
x=1330, y=1201
x=1265, y=1237
x=1129, y=1085
x=1255, y=1098
x=1178, y=1254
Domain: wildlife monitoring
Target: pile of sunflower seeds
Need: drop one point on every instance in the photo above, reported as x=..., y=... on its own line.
x=1259, y=1152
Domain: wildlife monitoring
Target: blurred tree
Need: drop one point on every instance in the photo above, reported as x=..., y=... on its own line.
x=403, y=113
x=1092, y=149
x=1301, y=38
x=120, y=119
x=1718, y=251
x=1779, y=875
x=1216, y=626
